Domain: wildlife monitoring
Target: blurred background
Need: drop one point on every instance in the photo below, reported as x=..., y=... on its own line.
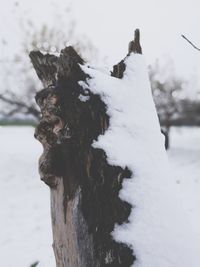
x=100, y=31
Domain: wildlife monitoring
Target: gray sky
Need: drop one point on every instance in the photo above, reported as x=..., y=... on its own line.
x=110, y=25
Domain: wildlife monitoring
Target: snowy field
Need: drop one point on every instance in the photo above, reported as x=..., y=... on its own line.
x=25, y=228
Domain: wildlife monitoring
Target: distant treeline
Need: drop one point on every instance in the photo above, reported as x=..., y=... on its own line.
x=187, y=113
x=17, y=122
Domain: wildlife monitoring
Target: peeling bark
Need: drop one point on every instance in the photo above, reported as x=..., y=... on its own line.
x=85, y=203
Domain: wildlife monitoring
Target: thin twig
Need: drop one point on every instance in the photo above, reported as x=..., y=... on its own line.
x=190, y=42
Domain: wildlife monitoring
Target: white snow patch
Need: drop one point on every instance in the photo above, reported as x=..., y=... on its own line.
x=25, y=220
x=83, y=98
x=160, y=230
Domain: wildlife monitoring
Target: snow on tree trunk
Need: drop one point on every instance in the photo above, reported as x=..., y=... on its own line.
x=113, y=199
x=85, y=202
x=159, y=228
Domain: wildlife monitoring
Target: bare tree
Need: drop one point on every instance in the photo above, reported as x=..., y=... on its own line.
x=18, y=106
x=17, y=101
x=165, y=94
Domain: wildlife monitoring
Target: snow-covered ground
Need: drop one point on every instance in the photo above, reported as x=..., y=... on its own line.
x=25, y=228
x=184, y=157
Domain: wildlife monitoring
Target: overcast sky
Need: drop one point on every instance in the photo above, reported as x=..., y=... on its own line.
x=110, y=25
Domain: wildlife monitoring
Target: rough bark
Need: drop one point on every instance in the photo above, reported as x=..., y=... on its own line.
x=84, y=188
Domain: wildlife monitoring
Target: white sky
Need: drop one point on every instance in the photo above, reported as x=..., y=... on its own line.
x=110, y=25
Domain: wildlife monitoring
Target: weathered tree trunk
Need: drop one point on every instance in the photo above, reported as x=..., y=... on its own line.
x=84, y=188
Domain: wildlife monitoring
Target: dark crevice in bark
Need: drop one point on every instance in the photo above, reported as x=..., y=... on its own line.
x=90, y=197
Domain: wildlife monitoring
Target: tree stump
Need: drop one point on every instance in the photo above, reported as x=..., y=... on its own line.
x=84, y=188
